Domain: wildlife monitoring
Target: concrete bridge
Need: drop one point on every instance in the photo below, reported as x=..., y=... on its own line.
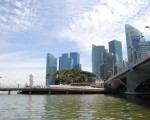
x=136, y=78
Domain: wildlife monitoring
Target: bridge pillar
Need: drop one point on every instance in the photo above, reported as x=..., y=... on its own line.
x=135, y=78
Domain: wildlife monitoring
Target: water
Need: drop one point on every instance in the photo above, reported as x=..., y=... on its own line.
x=73, y=107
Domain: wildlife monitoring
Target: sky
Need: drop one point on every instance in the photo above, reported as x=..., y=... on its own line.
x=29, y=29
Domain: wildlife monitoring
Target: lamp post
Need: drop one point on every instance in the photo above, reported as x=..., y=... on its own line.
x=147, y=27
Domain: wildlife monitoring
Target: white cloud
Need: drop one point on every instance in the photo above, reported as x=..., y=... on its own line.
x=105, y=22
x=17, y=15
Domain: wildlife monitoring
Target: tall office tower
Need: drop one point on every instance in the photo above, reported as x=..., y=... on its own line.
x=115, y=47
x=133, y=37
x=76, y=60
x=144, y=47
x=97, y=58
x=109, y=64
x=65, y=63
x=51, y=68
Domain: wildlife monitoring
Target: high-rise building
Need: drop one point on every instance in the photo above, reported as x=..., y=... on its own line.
x=76, y=60
x=97, y=58
x=115, y=47
x=68, y=63
x=65, y=63
x=144, y=47
x=109, y=65
x=133, y=37
x=51, y=68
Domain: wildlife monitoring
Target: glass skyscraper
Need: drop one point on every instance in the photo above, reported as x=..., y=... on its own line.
x=133, y=37
x=97, y=58
x=143, y=48
x=67, y=62
x=76, y=59
x=109, y=64
x=51, y=68
x=115, y=47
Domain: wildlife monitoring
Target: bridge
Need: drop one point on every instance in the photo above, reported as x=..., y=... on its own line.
x=135, y=78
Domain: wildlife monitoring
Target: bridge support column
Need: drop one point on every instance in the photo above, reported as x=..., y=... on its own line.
x=134, y=79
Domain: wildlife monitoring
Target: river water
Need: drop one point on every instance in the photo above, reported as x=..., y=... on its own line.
x=74, y=107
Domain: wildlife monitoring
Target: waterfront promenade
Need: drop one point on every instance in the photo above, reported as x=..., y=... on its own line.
x=56, y=89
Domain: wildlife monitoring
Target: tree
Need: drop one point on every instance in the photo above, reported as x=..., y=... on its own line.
x=69, y=76
x=48, y=76
x=58, y=76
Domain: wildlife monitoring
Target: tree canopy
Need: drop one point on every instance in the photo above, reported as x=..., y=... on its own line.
x=70, y=76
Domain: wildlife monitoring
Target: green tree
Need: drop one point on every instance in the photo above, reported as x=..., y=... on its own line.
x=58, y=76
x=48, y=76
x=70, y=76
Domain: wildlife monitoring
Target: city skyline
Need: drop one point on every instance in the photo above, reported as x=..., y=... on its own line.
x=31, y=29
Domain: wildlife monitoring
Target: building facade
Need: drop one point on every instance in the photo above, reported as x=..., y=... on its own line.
x=76, y=60
x=109, y=65
x=144, y=47
x=115, y=47
x=133, y=37
x=97, y=58
x=51, y=68
x=67, y=62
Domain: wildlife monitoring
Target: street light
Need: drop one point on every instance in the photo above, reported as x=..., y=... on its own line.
x=147, y=27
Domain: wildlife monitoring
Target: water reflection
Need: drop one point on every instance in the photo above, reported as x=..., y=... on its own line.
x=142, y=100
x=73, y=107
x=91, y=107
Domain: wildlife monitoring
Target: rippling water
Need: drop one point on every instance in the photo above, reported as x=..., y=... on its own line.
x=73, y=107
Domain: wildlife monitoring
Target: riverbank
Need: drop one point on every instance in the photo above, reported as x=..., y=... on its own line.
x=63, y=89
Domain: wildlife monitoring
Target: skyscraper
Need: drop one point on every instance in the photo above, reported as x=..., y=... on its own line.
x=115, y=47
x=133, y=37
x=51, y=68
x=144, y=47
x=97, y=58
x=108, y=65
x=67, y=62
x=76, y=59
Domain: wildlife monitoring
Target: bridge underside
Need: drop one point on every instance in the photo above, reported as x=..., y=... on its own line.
x=136, y=81
x=139, y=77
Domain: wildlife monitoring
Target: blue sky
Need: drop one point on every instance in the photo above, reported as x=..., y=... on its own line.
x=30, y=29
